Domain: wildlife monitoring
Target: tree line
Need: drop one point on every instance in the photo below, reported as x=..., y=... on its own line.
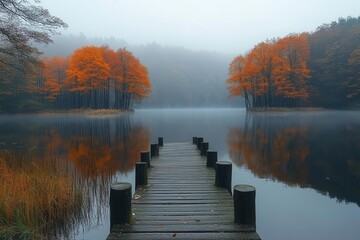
x=308, y=69
x=91, y=77
x=94, y=77
x=273, y=73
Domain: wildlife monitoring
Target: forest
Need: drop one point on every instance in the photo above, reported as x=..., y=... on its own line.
x=91, y=77
x=179, y=77
x=319, y=69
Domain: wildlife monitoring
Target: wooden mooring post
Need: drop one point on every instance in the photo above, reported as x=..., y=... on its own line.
x=161, y=141
x=145, y=157
x=211, y=159
x=120, y=204
x=154, y=149
x=204, y=148
x=244, y=205
x=199, y=141
x=141, y=177
x=223, y=174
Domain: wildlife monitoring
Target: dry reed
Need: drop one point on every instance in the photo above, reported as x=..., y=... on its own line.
x=38, y=196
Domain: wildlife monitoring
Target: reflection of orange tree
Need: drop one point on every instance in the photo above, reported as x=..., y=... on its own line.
x=279, y=155
x=93, y=158
x=91, y=152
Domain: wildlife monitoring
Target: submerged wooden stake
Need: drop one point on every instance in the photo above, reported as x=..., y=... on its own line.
x=120, y=204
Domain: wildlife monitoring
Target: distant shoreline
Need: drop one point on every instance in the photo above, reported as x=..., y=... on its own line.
x=88, y=111
x=283, y=109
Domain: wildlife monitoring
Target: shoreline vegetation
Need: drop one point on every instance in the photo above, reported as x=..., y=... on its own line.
x=37, y=200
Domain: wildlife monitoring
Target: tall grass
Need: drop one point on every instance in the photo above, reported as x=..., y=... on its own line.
x=37, y=199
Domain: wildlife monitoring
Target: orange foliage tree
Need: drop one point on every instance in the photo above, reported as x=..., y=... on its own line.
x=133, y=80
x=96, y=77
x=86, y=75
x=292, y=73
x=54, y=73
x=271, y=72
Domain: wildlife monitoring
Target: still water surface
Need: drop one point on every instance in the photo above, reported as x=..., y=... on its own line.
x=305, y=165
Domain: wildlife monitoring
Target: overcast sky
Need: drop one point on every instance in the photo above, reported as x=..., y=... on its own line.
x=229, y=26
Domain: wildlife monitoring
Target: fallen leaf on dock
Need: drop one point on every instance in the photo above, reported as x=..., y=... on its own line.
x=137, y=197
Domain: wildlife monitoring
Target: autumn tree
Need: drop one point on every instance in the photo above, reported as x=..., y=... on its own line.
x=261, y=59
x=270, y=72
x=133, y=82
x=54, y=74
x=86, y=75
x=291, y=71
x=238, y=84
x=96, y=77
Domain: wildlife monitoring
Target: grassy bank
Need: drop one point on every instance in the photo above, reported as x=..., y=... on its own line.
x=36, y=199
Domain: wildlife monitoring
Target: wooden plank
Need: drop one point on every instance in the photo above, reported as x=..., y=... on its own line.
x=184, y=236
x=181, y=199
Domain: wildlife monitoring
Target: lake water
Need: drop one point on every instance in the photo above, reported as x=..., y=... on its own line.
x=305, y=165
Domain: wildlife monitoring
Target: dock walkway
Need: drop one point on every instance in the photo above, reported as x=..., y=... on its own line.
x=181, y=201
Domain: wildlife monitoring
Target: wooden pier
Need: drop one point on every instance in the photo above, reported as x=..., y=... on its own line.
x=181, y=201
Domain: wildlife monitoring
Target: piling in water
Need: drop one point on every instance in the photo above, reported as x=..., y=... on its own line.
x=199, y=141
x=161, y=141
x=145, y=157
x=223, y=174
x=244, y=205
x=120, y=204
x=154, y=149
x=204, y=148
x=211, y=158
x=141, y=176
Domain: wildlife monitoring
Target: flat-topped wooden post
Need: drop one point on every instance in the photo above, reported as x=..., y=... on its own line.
x=204, y=148
x=199, y=141
x=141, y=177
x=120, y=204
x=161, y=141
x=194, y=140
x=145, y=157
x=223, y=174
x=244, y=205
x=154, y=149
x=211, y=158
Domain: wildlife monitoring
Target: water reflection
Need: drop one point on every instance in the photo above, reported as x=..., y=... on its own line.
x=316, y=150
x=90, y=150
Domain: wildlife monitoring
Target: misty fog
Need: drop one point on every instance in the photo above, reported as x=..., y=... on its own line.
x=180, y=77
